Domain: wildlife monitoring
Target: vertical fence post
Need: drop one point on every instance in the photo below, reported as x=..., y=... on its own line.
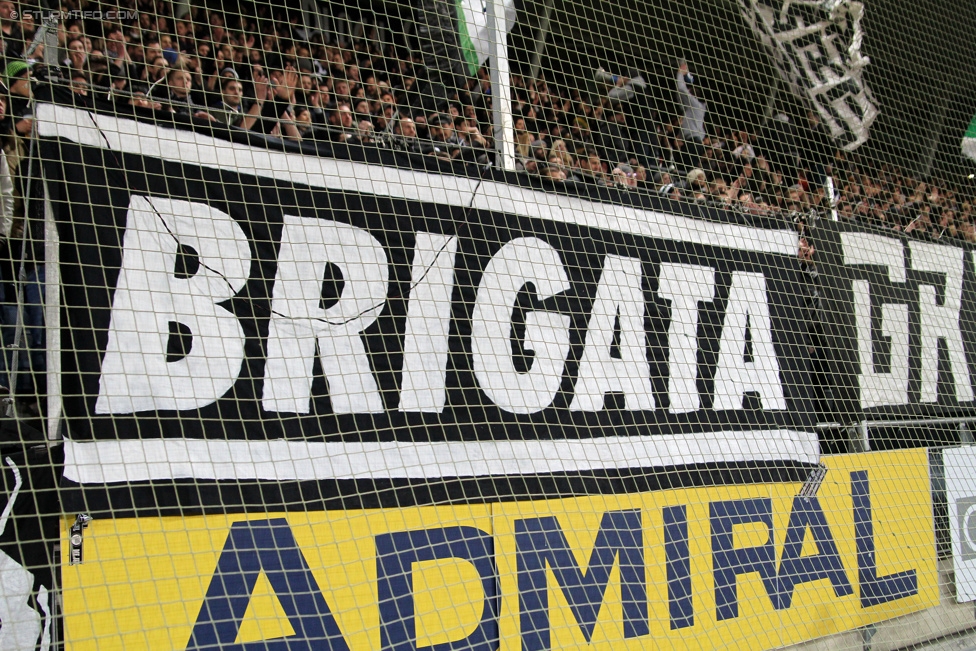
x=965, y=434
x=501, y=92
x=863, y=442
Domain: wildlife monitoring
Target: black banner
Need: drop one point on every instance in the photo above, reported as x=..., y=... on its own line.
x=247, y=325
x=900, y=316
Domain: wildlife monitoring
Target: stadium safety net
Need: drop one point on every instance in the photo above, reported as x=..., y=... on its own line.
x=487, y=324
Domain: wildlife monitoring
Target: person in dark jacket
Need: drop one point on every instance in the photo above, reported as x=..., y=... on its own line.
x=179, y=83
x=817, y=150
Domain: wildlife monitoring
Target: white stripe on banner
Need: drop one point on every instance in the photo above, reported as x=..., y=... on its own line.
x=133, y=137
x=108, y=462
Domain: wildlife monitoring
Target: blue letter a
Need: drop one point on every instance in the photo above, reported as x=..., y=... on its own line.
x=269, y=546
x=795, y=569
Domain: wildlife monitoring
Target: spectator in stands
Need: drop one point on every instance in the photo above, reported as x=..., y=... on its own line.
x=560, y=149
x=151, y=77
x=592, y=167
x=694, y=111
x=10, y=31
x=523, y=140
x=406, y=137
x=17, y=79
x=682, y=160
x=446, y=143
x=581, y=136
x=231, y=107
x=474, y=146
x=135, y=53
x=744, y=151
x=77, y=55
x=319, y=103
x=364, y=133
x=718, y=193
x=664, y=186
x=697, y=182
x=780, y=145
x=346, y=123
x=303, y=122
x=609, y=137
x=278, y=111
x=622, y=88
x=115, y=44
x=559, y=171
x=317, y=82
x=118, y=82
x=79, y=86
x=554, y=172
x=817, y=149
x=179, y=83
x=624, y=177
x=539, y=151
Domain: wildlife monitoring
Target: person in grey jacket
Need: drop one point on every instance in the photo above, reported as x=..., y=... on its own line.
x=693, y=122
x=693, y=125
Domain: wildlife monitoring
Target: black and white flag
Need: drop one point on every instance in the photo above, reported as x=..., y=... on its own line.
x=816, y=46
x=29, y=519
x=243, y=325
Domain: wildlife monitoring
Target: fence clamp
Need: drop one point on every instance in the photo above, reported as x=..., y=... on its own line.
x=75, y=539
x=813, y=482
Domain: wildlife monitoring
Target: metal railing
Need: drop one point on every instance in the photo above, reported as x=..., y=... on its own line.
x=858, y=435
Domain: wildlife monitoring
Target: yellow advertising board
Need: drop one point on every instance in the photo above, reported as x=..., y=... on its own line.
x=742, y=567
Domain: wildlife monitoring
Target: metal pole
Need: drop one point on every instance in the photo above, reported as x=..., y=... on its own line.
x=771, y=99
x=965, y=434
x=501, y=89
x=936, y=136
x=831, y=197
x=921, y=421
x=864, y=441
x=47, y=34
x=540, y=40
x=862, y=427
x=52, y=316
x=21, y=282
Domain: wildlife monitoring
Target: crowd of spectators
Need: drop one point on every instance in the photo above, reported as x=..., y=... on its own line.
x=269, y=73
x=888, y=198
x=263, y=69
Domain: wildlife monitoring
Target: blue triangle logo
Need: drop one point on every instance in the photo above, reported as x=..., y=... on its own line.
x=267, y=546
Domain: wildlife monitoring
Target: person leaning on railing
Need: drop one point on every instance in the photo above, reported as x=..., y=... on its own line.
x=278, y=108
x=407, y=139
x=179, y=83
x=230, y=109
